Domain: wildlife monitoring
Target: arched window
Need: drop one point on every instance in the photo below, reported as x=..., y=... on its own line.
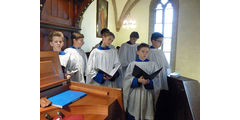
x=162, y=18
x=163, y=24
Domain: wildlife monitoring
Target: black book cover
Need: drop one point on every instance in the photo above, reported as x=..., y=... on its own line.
x=138, y=72
x=111, y=73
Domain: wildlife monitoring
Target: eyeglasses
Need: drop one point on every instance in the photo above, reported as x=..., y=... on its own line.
x=159, y=40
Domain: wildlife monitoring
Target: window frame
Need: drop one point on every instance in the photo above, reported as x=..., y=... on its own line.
x=152, y=22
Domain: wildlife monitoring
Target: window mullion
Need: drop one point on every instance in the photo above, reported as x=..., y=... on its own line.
x=163, y=23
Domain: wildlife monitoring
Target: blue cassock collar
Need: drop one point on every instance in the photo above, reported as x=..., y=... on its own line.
x=62, y=53
x=101, y=48
x=73, y=47
x=151, y=47
x=138, y=60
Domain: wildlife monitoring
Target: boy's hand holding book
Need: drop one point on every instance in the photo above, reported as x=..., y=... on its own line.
x=143, y=81
x=106, y=77
x=68, y=76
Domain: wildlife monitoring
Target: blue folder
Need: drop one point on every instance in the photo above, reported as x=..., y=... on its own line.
x=65, y=98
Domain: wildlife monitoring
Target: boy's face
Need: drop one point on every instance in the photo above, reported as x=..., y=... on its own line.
x=157, y=43
x=108, y=40
x=57, y=43
x=133, y=40
x=143, y=53
x=78, y=42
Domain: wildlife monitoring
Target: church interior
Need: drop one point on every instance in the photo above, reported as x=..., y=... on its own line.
x=177, y=20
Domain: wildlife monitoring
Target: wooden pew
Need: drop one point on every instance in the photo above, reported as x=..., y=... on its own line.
x=181, y=101
x=100, y=103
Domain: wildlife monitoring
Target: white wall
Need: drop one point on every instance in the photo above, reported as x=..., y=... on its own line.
x=141, y=14
x=188, y=39
x=88, y=25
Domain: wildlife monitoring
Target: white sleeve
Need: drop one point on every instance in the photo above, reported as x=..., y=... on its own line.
x=123, y=55
x=116, y=57
x=67, y=50
x=72, y=65
x=127, y=81
x=64, y=59
x=85, y=59
x=157, y=84
x=90, y=71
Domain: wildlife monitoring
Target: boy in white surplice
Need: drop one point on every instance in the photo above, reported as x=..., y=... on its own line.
x=80, y=56
x=104, y=58
x=157, y=55
x=140, y=94
x=127, y=54
x=66, y=59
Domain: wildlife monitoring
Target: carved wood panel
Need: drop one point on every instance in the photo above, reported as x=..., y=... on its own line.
x=50, y=69
x=60, y=15
x=59, y=12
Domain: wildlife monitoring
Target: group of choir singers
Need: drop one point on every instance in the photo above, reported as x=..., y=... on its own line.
x=139, y=95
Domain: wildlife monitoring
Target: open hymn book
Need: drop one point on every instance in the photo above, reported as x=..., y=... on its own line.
x=138, y=72
x=109, y=73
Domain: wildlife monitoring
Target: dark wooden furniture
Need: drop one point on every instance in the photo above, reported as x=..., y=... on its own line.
x=100, y=103
x=60, y=15
x=181, y=101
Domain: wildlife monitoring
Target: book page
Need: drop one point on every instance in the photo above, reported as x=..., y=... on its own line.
x=114, y=70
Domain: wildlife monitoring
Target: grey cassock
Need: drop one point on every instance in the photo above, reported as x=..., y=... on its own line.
x=141, y=102
x=79, y=61
x=158, y=56
x=105, y=60
x=127, y=54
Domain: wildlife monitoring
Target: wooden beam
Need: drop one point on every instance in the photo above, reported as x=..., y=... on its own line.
x=115, y=12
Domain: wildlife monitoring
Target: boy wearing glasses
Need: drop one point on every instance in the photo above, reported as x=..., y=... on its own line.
x=157, y=55
x=80, y=57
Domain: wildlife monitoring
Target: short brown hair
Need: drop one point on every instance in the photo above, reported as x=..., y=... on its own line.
x=104, y=30
x=76, y=35
x=142, y=45
x=134, y=34
x=55, y=33
x=105, y=34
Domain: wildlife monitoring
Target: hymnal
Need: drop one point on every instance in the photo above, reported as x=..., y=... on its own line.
x=138, y=72
x=111, y=73
x=65, y=98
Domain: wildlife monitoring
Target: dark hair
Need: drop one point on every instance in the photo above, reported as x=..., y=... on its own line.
x=105, y=34
x=118, y=47
x=156, y=35
x=76, y=35
x=134, y=35
x=142, y=45
x=104, y=30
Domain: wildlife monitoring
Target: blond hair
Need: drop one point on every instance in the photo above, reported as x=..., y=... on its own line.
x=55, y=33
